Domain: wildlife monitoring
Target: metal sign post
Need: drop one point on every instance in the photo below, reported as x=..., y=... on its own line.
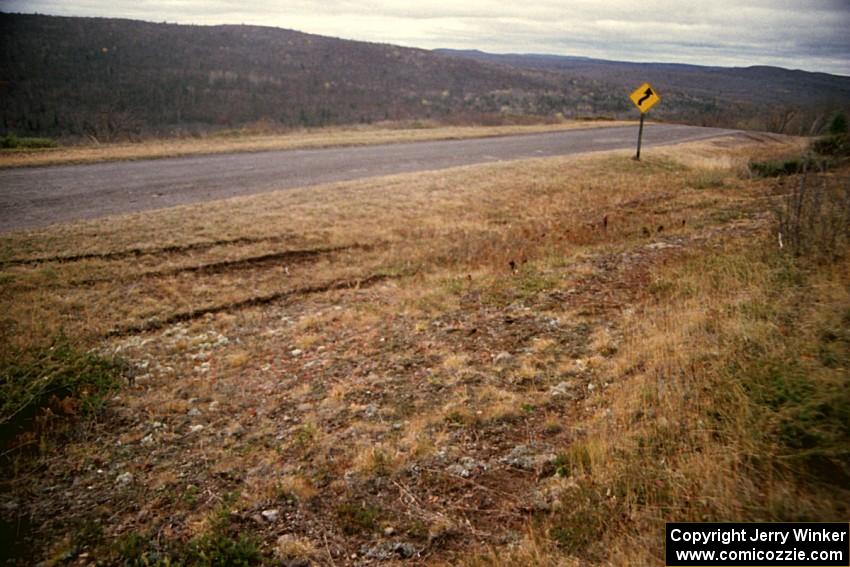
x=645, y=97
x=640, y=136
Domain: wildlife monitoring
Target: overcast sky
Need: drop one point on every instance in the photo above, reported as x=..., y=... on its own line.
x=798, y=34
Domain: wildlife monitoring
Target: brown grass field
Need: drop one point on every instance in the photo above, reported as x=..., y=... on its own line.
x=528, y=363
x=258, y=140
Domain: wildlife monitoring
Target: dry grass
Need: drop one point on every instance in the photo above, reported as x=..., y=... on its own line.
x=684, y=438
x=526, y=385
x=318, y=138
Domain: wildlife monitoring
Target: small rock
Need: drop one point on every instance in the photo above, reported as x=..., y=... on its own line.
x=564, y=390
x=510, y=537
x=503, y=357
x=529, y=457
x=661, y=245
x=390, y=550
x=196, y=428
x=270, y=515
x=147, y=439
x=194, y=412
x=296, y=352
x=235, y=429
x=214, y=405
x=466, y=467
x=404, y=550
x=124, y=478
x=591, y=387
x=389, y=531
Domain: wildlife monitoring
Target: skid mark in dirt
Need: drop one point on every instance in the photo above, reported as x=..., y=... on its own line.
x=254, y=301
x=138, y=252
x=286, y=257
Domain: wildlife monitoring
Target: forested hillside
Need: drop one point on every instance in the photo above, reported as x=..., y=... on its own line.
x=80, y=76
x=111, y=79
x=759, y=97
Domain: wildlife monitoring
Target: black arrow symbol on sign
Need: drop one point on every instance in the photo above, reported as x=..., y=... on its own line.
x=646, y=94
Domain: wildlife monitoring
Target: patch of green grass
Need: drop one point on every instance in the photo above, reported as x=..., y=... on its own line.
x=12, y=142
x=577, y=527
x=190, y=495
x=708, y=180
x=574, y=461
x=138, y=550
x=805, y=411
x=798, y=389
x=456, y=286
x=357, y=517
x=305, y=436
x=60, y=380
x=87, y=533
x=524, y=285
x=222, y=544
x=531, y=281
x=776, y=168
x=219, y=549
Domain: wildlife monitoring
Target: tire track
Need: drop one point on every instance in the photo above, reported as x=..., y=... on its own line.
x=136, y=252
x=212, y=268
x=192, y=314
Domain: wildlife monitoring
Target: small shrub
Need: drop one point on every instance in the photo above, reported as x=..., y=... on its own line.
x=836, y=143
x=814, y=219
x=835, y=146
x=776, y=168
x=838, y=126
x=41, y=384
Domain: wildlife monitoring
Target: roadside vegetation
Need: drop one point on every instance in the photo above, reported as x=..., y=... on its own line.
x=40, y=387
x=13, y=142
x=528, y=363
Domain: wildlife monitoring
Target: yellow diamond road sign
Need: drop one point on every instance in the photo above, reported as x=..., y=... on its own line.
x=645, y=97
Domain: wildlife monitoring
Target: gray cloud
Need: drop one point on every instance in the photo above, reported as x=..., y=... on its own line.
x=805, y=34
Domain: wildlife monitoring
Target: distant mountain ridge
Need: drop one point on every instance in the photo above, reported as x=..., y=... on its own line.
x=112, y=78
x=758, y=83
